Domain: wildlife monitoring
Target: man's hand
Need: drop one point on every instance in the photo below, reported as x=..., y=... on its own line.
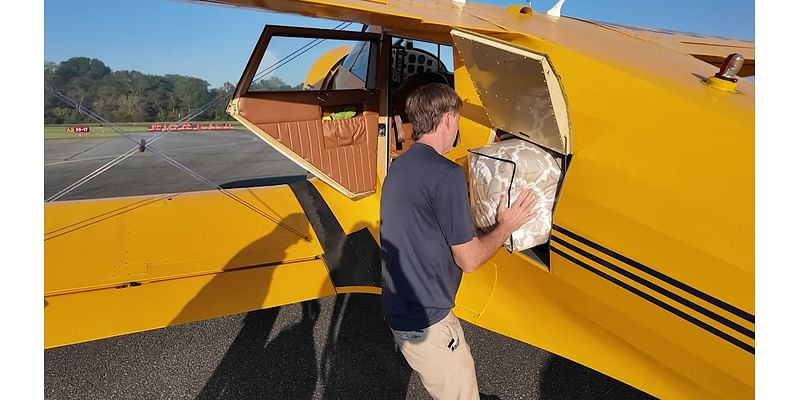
x=521, y=211
x=471, y=255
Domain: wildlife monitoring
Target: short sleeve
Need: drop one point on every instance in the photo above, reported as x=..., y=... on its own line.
x=452, y=208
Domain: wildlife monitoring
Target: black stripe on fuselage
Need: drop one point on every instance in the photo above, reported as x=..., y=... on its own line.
x=680, y=285
x=659, y=289
x=730, y=339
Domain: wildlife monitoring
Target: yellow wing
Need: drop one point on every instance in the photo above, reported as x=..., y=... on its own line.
x=711, y=49
x=435, y=18
x=129, y=264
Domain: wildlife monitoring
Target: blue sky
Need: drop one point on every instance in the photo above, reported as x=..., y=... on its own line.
x=214, y=42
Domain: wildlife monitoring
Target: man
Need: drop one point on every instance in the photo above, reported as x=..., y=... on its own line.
x=428, y=240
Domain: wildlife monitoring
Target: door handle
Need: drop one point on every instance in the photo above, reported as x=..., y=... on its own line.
x=323, y=96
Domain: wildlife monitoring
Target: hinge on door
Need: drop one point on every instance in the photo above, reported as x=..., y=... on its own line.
x=233, y=108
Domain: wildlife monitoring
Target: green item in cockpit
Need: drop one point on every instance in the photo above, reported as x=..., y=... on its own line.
x=347, y=112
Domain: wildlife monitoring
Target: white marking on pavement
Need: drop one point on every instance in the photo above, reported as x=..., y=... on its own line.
x=164, y=150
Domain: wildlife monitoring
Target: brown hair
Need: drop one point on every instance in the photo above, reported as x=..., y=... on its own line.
x=426, y=105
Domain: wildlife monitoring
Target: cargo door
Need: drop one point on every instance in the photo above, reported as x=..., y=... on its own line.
x=519, y=89
x=311, y=94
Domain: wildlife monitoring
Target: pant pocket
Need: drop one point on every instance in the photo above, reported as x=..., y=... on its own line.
x=449, y=334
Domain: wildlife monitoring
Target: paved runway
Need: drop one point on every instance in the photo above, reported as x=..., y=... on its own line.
x=331, y=348
x=226, y=158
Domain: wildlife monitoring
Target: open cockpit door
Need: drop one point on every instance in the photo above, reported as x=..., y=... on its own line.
x=518, y=88
x=322, y=117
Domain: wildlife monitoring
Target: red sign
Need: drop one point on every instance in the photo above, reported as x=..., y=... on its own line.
x=77, y=129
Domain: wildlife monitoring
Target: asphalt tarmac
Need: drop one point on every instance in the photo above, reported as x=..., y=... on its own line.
x=331, y=348
x=233, y=158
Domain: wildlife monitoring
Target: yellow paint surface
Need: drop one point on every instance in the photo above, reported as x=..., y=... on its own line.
x=115, y=266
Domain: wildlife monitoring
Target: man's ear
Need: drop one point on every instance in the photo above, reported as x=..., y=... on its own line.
x=445, y=120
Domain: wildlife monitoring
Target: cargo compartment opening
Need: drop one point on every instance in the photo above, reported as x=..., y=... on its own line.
x=506, y=167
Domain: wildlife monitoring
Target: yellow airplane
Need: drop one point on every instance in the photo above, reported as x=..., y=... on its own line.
x=648, y=276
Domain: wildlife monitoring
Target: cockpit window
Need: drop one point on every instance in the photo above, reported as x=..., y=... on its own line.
x=412, y=57
x=351, y=58
x=361, y=63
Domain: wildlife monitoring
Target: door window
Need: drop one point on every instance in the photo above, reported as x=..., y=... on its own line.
x=299, y=63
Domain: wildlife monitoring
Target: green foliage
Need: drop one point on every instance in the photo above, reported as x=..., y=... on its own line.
x=274, y=83
x=128, y=96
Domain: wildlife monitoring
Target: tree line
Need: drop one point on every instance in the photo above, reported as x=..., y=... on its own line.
x=131, y=96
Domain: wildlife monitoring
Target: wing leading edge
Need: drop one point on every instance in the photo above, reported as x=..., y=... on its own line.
x=708, y=48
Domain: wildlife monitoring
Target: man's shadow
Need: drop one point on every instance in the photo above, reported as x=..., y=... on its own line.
x=255, y=367
x=360, y=360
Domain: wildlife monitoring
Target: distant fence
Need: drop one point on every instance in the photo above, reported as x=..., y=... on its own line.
x=190, y=127
x=69, y=131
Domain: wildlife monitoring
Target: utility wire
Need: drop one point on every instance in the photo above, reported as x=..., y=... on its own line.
x=160, y=154
x=85, y=110
x=148, y=142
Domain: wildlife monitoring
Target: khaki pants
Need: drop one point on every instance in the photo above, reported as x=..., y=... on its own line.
x=446, y=373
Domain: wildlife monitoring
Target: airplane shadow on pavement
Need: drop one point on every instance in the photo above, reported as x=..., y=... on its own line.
x=566, y=380
x=357, y=359
x=340, y=347
x=331, y=348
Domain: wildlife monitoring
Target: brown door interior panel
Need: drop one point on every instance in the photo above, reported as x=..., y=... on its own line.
x=331, y=133
x=344, y=150
x=288, y=106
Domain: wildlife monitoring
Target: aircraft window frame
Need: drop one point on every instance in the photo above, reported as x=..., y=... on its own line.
x=270, y=31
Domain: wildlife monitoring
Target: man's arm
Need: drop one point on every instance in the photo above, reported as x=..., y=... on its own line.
x=471, y=255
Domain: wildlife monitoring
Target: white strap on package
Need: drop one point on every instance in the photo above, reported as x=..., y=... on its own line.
x=492, y=172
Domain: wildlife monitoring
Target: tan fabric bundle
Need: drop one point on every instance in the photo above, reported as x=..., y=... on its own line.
x=493, y=172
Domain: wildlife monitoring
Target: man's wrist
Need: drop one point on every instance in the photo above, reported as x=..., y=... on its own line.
x=503, y=231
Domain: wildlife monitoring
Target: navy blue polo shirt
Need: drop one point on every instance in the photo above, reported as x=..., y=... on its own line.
x=424, y=211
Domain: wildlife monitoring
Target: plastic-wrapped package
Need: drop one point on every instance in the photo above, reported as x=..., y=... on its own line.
x=512, y=166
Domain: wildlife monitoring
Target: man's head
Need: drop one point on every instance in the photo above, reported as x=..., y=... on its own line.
x=432, y=105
